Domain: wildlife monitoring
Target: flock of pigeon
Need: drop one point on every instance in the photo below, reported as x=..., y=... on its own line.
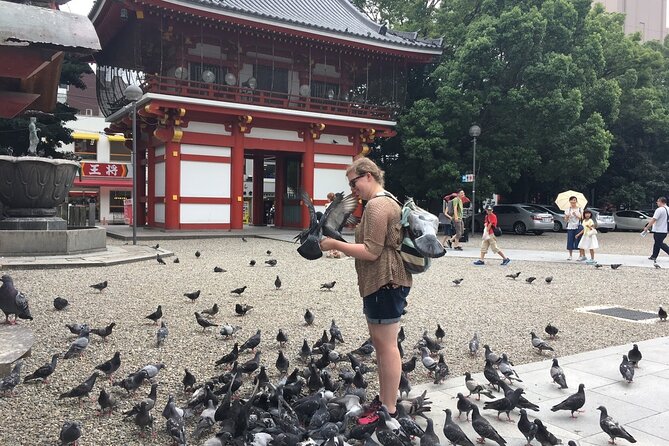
x=323, y=400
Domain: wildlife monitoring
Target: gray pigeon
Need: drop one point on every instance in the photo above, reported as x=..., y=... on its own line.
x=543, y=436
x=558, y=374
x=453, y=433
x=79, y=345
x=330, y=223
x=612, y=428
x=627, y=369
x=10, y=381
x=162, y=334
x=526, y=427
x=474, y=387
x=573, y=402
x=206, y=420
x=484, y=428
x=429, y=438
x=70, y=432
x=12, y=301
x=474, y=345
x=539, y=343
x=309, y=317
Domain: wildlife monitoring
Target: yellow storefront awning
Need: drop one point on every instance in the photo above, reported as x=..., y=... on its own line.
x=116, y=137
x=86, y=135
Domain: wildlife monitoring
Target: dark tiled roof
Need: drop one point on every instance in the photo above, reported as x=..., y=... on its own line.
x=339, y=16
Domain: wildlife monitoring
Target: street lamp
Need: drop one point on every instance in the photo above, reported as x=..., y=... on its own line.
x=474, y=132
x=132, y=93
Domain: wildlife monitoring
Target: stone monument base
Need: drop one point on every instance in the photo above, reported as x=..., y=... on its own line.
x=17, y=342
x=52, y=242
x=33, y=224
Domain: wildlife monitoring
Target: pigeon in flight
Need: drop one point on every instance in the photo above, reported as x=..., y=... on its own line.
x=634, y=355
x=662, y=314
x=100, y=286
x=70, y=432
x=60, y=303
x=45, y=371
x=573, y=402
x=239, y=291
x=192, y=296
x=612, y=428
x=539, y=343
x=242, y=309
x=160, y=260
x=328, y=286
x=330, y=224
x=12, y=301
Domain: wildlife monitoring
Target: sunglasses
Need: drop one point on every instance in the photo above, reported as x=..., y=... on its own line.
x=355, y=180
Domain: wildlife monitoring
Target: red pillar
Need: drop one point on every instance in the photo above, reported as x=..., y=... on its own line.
x=258, y=177
x=237, y=179
x=307, y=173
x=151, y=195
x=279, y=189
x=172, y=184
x=141, y=185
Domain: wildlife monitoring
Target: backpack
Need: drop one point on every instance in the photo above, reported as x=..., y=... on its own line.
x=414, y=221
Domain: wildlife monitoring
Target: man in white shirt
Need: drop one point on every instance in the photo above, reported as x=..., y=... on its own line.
x=659, y=224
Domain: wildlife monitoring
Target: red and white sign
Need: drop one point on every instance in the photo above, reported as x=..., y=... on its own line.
x=104, y=169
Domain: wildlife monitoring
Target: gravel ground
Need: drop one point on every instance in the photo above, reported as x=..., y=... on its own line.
x=501, y=310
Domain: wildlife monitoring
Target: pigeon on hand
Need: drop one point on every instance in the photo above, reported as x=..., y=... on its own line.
x=110, y=366
x=573, y=402
x=99, y=286
x=626, y=369
x=551, y=330
x=328, y=285
x=457, y=282
x=330, y=224
x=192, y=296
x=104, y=332
x=239, y=291
x=45, y=371
x=539, y=343
x=474, y=345
x=558, y=374
x=60, y=303
x=616, y=265
x=612, y=428
x=202, y=322
x=309, y=317
x=530, y=280
x=160, y=260
x=526, y=427
x=662, y=314
x=484, y=428
x=277, y=282
x=454, y=433
x=513, y=276
x=82, y=389
x=156, y=315
x=70, y=432
x=634, y=355
x=162, y=334
x=12, y=301
x=211, y=311
x=543, y=436
x=271, y=262
x=242, y=309
x=218, y=269
x=10, y=381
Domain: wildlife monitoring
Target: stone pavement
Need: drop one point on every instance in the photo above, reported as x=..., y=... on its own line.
x=642, y=407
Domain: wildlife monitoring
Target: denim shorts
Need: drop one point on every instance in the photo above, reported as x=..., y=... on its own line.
x=572, y=240
x=386, y=305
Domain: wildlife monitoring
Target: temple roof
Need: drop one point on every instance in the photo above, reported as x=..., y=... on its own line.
x=337, y=16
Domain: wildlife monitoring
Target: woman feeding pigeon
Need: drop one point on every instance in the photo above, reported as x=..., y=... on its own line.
x=382, y=280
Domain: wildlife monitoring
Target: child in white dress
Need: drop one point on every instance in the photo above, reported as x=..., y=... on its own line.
x=588, y=236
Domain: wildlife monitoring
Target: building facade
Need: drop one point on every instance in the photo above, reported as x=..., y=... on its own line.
x=646, y=17
x=300, y=87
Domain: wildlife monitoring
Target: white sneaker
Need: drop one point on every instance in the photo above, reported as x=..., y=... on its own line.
x=569, y=258
x=581, y=259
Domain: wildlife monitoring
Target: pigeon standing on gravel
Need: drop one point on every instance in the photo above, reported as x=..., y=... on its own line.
x=484, y=428
x=335, y=332
x=79, y=345
x=626, y=369
x=612, y=428
x=457, y=282
x=162, y=334
x=474, y=345
x=106, y=401
x=218, y=269
x=454, y=433
x=10, y=381
x=188, y=380
x=239, y=291
x=251, y=343
x=277, y=283
x=100, y=286
x=231, y=357
x=192, y=296
x=558, y=374
x=616, y=265
x=160, y=260
x=549, y=279
x=197, y=254
x=202, y=322
x=662, y=314
x=634, y=355
x=111, y=366
x=530, y=280
x=309, y=317
x=211, y=311
x=242, y=309
x=156, y=315
x=104, y=332
x=70, y=432
x=228, y=330
x=539, y=343
x=573, y=402
x=513, y=276
x=176, y=260
x=45, y=371
x=252, y=263
x=60, y=303
x=82, y=389
x=12, y=301
x=271, y=262
x=439, y=333
x=328, y=286
x=551, y=330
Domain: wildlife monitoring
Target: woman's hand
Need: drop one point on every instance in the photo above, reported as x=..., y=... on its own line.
x=328, y=243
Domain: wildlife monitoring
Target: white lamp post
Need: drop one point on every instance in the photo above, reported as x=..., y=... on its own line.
x=474, y=132
x=132, y=93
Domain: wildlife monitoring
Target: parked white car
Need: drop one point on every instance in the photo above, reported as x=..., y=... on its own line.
x=631, y=220
x=605, y=220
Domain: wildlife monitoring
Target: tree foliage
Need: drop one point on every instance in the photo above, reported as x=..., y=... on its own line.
x=563, y=98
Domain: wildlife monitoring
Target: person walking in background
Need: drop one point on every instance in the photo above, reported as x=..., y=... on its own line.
x=573, y=216
x=588, y=236
x=448, y=219
x=660, y=226
x=458, y=223
x=489, y=239
x=383, y=281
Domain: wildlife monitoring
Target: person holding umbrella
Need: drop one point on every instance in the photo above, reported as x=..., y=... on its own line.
x=572, y=203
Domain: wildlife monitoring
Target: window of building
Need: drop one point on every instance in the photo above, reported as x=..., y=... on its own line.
x=116, y=199
x=118, y=152
x=272, y=80
x=87, y=149
x=197, y=70
x=324, y=90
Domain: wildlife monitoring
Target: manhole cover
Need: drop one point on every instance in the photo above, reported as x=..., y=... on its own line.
x=625, y=313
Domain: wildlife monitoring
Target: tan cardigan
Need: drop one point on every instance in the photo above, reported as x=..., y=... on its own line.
x=379, y=230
